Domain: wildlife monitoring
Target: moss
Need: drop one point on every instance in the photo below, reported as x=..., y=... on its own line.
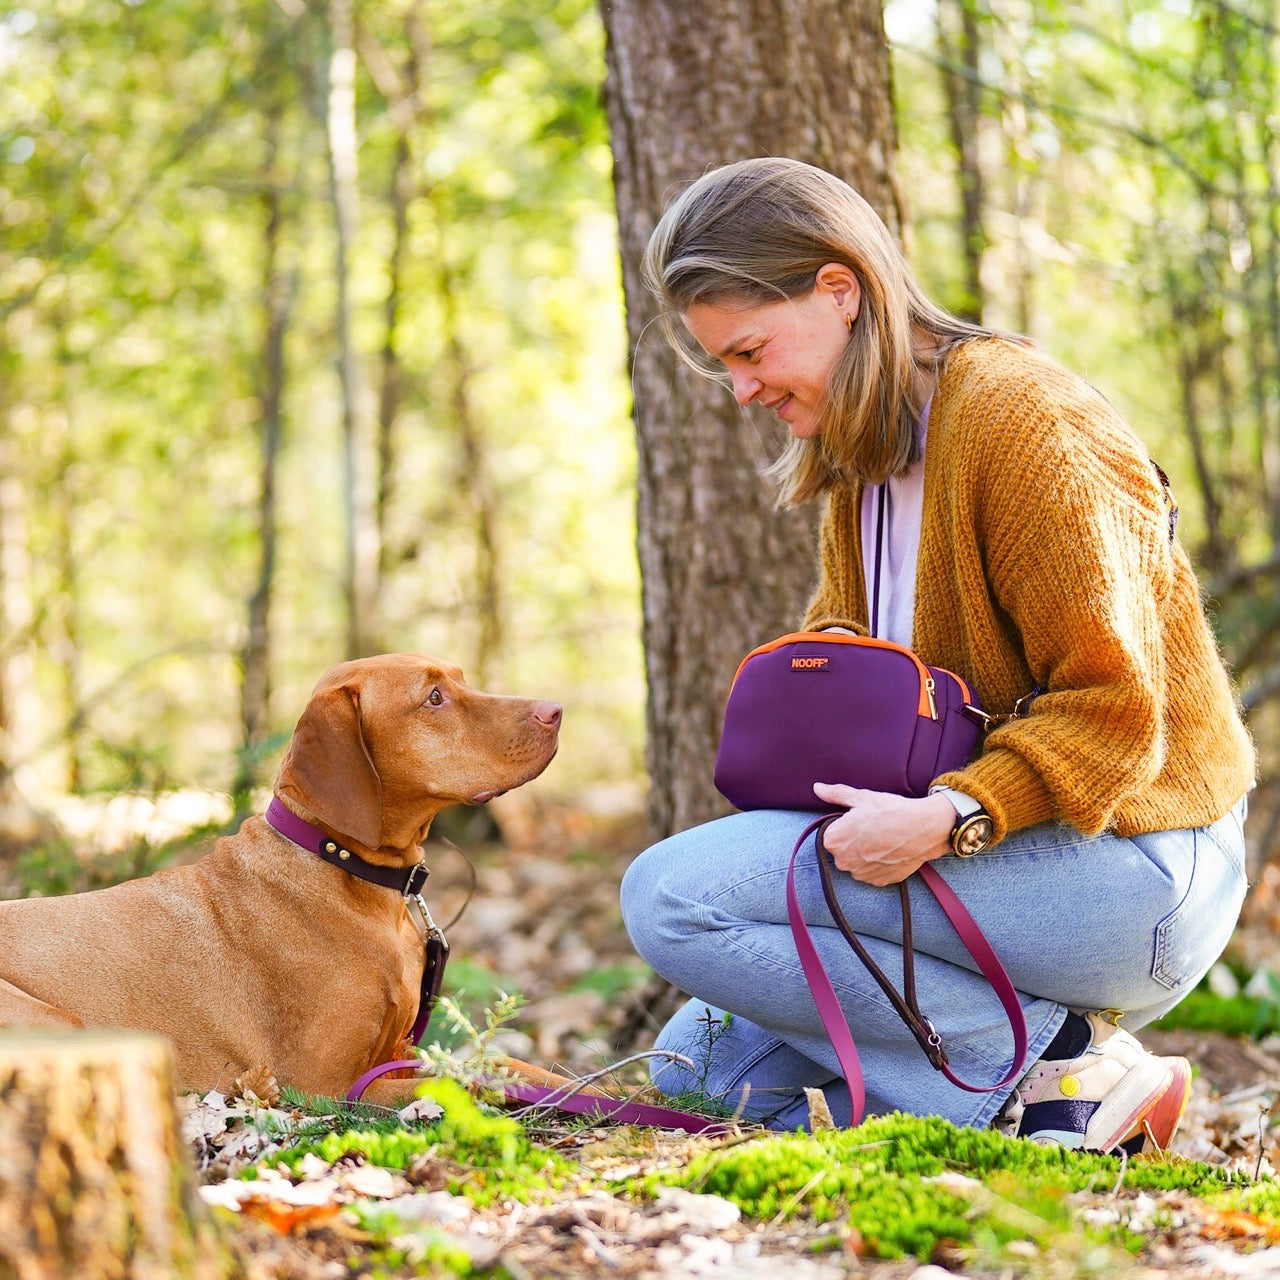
x=396, y=1245
x=876, y=1178
x=1237, y=1015
x=495, y=1158
x=1262, y=1199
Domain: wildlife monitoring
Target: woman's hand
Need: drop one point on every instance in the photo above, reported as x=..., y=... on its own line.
x=883, y=838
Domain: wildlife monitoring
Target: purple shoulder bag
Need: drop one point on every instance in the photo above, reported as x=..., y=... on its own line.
x=824, y=706
x=828, y=706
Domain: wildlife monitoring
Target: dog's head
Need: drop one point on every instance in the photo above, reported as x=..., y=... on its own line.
x=385, y=743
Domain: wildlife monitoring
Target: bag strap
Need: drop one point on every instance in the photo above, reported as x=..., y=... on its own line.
x=882, y=502
x=828, y=1004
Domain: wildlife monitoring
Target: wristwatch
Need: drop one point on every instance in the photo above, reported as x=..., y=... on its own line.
x=973, y=829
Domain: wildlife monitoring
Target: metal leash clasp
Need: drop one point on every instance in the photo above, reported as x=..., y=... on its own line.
x=412, y=894
x=422, y=920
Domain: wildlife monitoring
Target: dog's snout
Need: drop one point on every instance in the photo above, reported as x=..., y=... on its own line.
x=548, y=713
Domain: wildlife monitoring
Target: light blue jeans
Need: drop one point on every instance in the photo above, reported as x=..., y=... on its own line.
x=1079, y=923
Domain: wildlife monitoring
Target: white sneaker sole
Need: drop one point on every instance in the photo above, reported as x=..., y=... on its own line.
x=1126, y=1103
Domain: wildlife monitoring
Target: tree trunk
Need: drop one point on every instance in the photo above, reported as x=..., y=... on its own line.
x=93, y=1175
x=64, y=504
x=20, y=737
x=360, y=552
x=278, y=286
x=692, y=86
x=475, y=479
x=962, y=83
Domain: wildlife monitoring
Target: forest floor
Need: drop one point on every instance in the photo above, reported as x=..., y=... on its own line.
x=542, y=920
x=539, y=918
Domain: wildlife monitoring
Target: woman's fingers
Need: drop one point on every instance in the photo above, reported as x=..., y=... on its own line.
x=839, y=793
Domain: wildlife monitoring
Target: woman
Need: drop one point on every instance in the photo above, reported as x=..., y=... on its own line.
x=1027, y=545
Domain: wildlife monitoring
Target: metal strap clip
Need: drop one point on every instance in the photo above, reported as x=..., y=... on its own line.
x=987, y=721
x=422, y=920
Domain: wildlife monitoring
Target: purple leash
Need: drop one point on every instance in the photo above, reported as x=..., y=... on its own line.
x=828, y=1004
x=592, y=1106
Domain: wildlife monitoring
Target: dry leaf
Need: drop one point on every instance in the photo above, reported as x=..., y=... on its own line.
x=421, y=1109
x=290, y=1219
x=1233, y=1224
x=256, y=1086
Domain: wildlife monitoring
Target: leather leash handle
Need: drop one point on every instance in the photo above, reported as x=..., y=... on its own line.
x=434, y=961
x=904, y=1003
x=828, y=1004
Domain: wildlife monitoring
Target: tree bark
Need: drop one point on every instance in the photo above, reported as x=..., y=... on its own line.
x=93, y=1174
x=959, y=38
x=689, y=87
x=360, y=552
x=278, y=287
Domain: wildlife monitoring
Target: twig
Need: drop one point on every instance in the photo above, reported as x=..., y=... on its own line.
x=597, y=1246
x=1124, y=1164
x=792, y=1204
x=565, y=1092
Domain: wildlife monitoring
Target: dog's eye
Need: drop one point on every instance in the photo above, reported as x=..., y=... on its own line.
x=435, y=697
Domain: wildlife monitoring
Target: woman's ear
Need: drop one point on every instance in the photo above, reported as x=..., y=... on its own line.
x=839, y=281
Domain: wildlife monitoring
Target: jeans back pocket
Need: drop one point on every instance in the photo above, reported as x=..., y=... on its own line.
x=1194, y=934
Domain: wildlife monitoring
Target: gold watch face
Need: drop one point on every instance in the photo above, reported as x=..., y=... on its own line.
x=973, y=836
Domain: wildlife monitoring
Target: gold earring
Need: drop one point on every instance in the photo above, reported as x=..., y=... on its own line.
x=848, y=321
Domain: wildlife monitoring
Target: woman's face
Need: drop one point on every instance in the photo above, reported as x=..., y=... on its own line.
x=781, y=354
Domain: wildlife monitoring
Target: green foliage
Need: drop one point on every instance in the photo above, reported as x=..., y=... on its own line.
x=1252, y=1008
x=876, y=1178
x=58, y=866
x=493, y=1155
x=426, y=1249
x=472, y=992
x=138, y=149
x=1238, y=1015
x=613, y=981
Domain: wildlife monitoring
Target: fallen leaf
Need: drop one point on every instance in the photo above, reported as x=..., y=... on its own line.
x=290, y=1219
x=1234, y=1224
x=421, y=1109
x=257, y=1086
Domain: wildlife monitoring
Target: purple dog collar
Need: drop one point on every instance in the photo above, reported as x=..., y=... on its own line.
x=336, y=854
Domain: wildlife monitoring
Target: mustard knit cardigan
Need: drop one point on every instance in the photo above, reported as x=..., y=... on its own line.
x=1045, y=558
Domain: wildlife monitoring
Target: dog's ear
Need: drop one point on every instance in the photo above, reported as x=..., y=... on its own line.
x=328, y=771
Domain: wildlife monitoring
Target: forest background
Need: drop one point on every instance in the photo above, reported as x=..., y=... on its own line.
x=313, y=344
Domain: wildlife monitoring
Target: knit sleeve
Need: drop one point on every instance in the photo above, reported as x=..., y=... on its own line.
x=1078, y=558
x=838, y=599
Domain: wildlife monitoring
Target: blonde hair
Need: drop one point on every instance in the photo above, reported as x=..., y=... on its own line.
x=757, y=232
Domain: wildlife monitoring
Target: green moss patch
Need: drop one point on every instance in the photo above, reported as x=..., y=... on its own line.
x=892, y=1179
x=494, y=1157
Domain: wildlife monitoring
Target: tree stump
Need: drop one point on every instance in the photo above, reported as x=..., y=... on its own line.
x=94, y=1178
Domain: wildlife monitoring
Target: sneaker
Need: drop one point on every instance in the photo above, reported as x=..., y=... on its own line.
x=1158, y=1126
x=1113, y=1092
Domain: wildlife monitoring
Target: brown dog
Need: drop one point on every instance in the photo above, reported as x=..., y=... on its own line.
x=261, y=954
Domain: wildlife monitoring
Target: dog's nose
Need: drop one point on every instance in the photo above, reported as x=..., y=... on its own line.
x=548, y=713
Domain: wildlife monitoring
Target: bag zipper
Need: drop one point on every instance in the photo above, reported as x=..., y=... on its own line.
x=927, y=705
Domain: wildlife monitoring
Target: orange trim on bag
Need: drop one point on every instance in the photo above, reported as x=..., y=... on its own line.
x=826, y=637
